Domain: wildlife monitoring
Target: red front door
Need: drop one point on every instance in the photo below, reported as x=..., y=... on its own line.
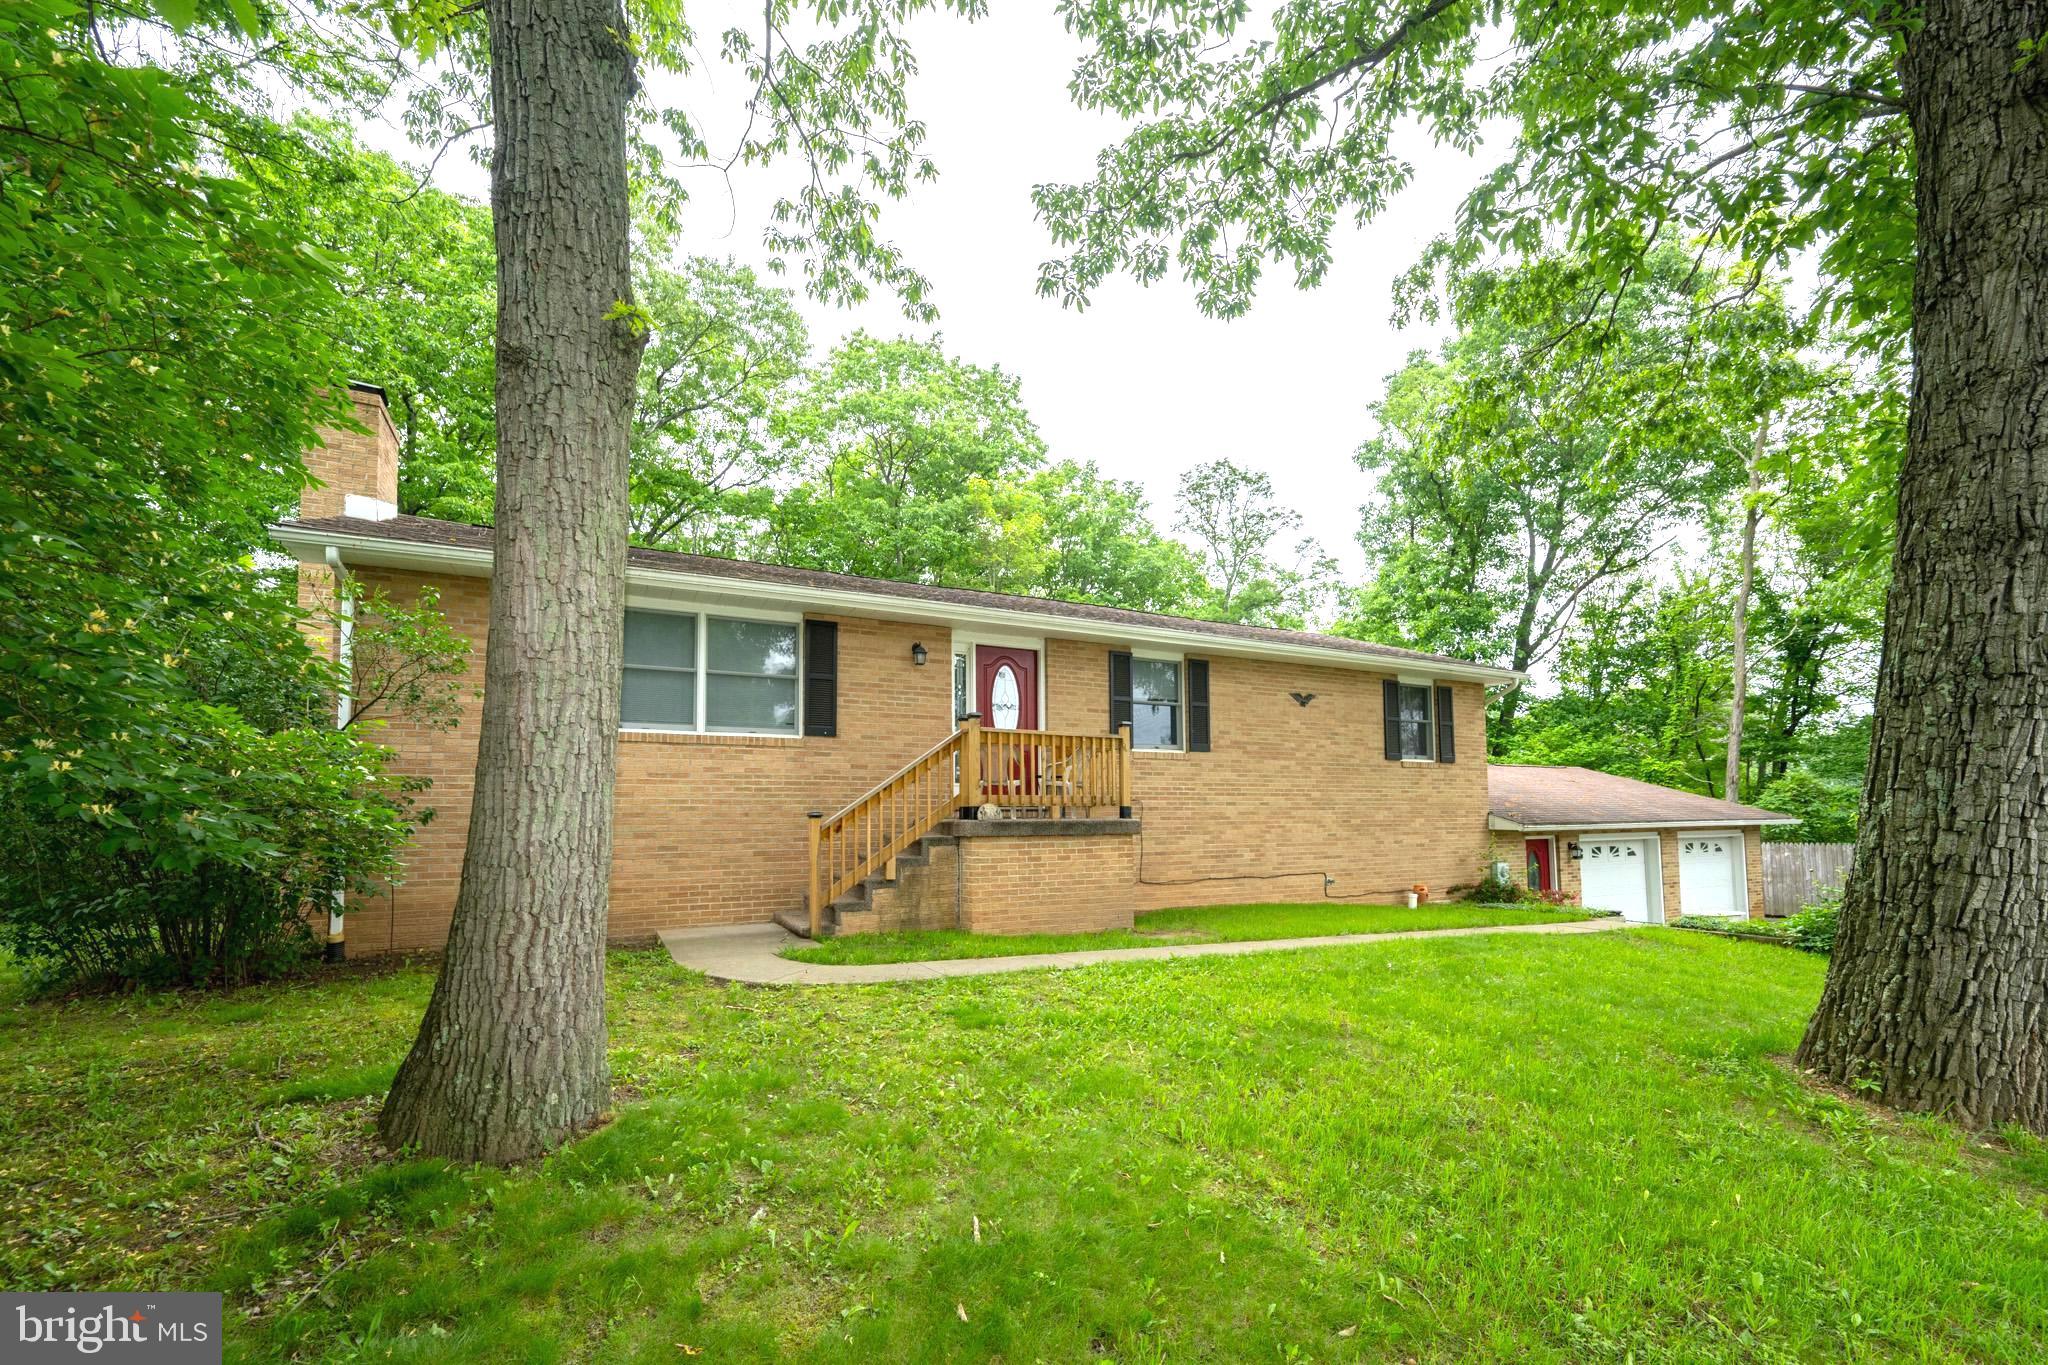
x=1541, y=877
x=1006, y=687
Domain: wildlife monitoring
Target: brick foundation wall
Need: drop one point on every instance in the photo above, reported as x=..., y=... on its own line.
x=1047, y=883
x=1012, y=877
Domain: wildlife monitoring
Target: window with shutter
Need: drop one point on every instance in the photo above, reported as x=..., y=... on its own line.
x=1411, y=720
x=1155, y=704
x=708, y=675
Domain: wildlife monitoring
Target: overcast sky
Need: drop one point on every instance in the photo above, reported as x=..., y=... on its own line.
x=1140, y=382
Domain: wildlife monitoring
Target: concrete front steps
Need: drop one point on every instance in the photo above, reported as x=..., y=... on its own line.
x=920, y=896
x=1007, y=876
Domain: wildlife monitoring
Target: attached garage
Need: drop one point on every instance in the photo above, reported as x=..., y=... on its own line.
x=1648, y=853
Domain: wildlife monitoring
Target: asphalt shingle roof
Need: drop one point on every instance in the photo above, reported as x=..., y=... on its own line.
x=1537, y=797
x=460, y=535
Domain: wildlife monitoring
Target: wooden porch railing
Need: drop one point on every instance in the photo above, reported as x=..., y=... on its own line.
x=1061, y=774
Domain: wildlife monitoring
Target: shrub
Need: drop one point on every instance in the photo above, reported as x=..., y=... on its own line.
x=1494, y=890
x=171, y=886
x=180, y=829
x=1813, y=928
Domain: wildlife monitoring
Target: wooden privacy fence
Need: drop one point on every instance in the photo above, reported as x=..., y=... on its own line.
x=1796, y=874
x=1062, y=775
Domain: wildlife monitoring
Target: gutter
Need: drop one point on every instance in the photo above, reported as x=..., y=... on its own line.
x=477, y=563
x=1505, y=823
x=344, y=712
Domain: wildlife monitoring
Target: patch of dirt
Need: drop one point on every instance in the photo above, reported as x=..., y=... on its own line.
x=379, y=964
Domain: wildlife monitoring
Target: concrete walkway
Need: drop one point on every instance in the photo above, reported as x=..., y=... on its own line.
x=749, y=953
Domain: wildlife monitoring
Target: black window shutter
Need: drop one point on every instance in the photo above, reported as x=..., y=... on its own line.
x=1198, y=705
x=821, y=678
x=1119, y=690
x=1391, y=690
x=1446, y=728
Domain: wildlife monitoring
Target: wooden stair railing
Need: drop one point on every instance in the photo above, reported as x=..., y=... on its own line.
x=972, y=767
x=868, y=832
x=1054, y=772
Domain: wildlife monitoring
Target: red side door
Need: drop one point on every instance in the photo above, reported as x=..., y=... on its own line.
x=1006, y=687
x=1541, y=876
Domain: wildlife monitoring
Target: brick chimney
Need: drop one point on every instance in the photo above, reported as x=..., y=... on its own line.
x=357, y=470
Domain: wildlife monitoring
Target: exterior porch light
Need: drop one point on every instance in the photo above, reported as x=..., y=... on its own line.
x=918, y=655
x=1574, y=852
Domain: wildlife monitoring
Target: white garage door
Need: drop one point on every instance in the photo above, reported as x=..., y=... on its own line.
x=1708, y=882
x=1614, y=874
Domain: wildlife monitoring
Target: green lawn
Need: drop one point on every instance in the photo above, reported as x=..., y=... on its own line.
x=1576, y=1148
x=1205, y=924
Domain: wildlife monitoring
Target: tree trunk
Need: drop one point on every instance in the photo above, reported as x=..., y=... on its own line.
x=1738, y=697
x=1937, y=997
x=510, y=1059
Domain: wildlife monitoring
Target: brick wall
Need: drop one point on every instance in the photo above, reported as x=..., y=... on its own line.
x=1289, y=793
x=1047, y=884
x=710, y=829
x=364, y=463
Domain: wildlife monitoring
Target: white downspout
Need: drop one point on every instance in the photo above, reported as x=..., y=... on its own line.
x=344, y=709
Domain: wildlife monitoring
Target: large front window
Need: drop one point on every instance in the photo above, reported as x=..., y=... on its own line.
x=1155, y=704
x=685, y=672
x=1415, y=721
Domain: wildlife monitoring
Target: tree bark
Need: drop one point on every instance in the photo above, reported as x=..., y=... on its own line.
x=510, y=1058
x=1937, y=995
x=1738, y=696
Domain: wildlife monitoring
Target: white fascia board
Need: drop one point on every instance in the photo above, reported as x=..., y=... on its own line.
x=1502, y=822
x=310, y=546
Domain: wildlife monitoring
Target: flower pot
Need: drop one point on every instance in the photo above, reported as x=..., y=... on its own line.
x=1411, y=899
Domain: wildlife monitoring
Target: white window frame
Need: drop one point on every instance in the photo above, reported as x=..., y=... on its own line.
x=1180, y=706
x=1428, y=686
x=704, y=612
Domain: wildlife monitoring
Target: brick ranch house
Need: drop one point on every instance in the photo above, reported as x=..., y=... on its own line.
x=803, y=746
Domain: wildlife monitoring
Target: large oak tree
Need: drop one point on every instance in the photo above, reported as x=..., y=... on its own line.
x=1906, y=146
x=511, y=1057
